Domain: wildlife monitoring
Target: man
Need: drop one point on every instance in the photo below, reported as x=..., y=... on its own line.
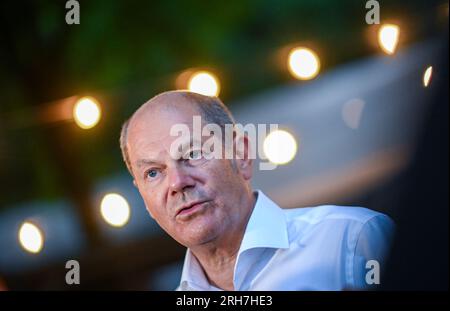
x=237, y=238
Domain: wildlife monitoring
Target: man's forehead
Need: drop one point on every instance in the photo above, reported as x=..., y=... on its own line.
x=158, y=122
x=149, y=129
x=170, y=109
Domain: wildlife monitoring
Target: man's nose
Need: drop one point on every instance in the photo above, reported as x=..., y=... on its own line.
x=179, y=180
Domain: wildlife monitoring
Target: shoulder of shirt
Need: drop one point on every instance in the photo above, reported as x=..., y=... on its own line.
x=318, y=214
x=303, y=221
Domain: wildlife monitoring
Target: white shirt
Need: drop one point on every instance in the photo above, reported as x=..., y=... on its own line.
x=316, y=248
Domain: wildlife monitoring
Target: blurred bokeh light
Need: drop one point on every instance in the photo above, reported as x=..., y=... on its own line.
x=205, y=83
x=303, y=63
x=115, y=209
x=31, y=237
x=280, y=147
x=427, y=76
x=388, y=37
x=86, y=112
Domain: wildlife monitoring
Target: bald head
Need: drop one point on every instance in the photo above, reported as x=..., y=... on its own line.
x=210, y=108
x=166, y=102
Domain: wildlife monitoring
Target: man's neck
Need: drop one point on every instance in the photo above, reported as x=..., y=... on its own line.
x=218, y=257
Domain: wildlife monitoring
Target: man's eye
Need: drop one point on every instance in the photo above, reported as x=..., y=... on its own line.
x=152, y=173
x=195, y=155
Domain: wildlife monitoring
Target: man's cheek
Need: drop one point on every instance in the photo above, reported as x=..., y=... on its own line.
x=150, y=212
x=150, y=207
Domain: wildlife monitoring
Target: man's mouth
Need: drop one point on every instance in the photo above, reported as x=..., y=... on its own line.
x=190, y=208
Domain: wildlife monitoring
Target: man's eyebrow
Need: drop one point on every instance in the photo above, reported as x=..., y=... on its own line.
x=143, y=162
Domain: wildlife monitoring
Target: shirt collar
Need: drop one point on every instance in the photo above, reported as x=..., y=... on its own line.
x=266, y=228
x=193, y=277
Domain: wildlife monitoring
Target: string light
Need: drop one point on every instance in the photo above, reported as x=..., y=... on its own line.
x=86, y=112
x=388, y=36
x=303, y=63
x=280, y=147
x=427, y=76
x=115, y=209
x=31, y=237
x=205, y=83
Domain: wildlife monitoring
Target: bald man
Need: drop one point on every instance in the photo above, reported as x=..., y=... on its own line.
x=236, y=237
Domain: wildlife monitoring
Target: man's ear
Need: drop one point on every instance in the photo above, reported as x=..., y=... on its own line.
x=243, y=155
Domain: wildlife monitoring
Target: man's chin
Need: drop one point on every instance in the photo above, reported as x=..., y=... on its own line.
x=198, y=237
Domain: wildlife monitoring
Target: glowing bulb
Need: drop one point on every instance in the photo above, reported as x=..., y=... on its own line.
x=204, y=83
x=31, y=237
x=280, y=147
x=115, y=210
x=388, y=38
x=427, y=76
x=303, y=63
x=86, y=112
